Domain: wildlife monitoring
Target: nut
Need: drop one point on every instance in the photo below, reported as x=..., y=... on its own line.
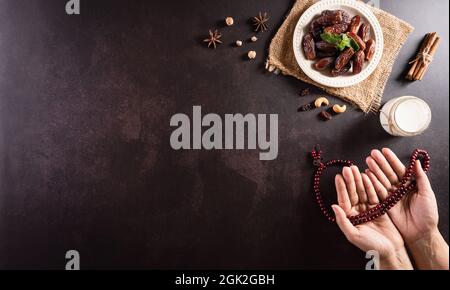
x=238, y=43
x=229, y=21
x=254, y=38
x=322, y=101
x=251, y=54
x=339, y=109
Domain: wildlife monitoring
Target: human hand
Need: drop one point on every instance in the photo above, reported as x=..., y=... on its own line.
x=416, y=215
x=356, y=194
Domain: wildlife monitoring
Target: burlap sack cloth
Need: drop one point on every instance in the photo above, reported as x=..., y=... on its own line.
x=367, y=94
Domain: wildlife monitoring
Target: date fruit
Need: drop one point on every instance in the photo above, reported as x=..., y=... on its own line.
x=309, y=47
x=370, y=49
x=364, y=32
x=327, y=12
x=344, y=58
x=354, y=24
x=327, y=18
x=322, y=54
x=336, y=29
x=316, y=30
x=316, y=34
x=358, y=61
x=345, y=17
x=358, y=40
x=315, y=27
x=339, y=72
x=324, y=63
x=324, y=46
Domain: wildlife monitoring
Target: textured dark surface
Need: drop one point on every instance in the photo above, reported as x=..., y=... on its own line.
x=85, y=160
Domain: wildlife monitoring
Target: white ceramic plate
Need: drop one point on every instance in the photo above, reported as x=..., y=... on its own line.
x=352, y=7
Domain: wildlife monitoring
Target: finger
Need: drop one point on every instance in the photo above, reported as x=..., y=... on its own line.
x=381, y=191
x=395, y=163
x=385, y=166
x=349, y=230
x=360, y=190
x=373, y=166
x=342, y=194
x=350, y=184
x=370, y=190
x=423, y=183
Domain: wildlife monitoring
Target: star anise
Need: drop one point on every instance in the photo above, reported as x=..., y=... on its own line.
x=213, y=39
x=260, y=22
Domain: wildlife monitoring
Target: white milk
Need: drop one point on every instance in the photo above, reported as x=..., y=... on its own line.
x=405, y=116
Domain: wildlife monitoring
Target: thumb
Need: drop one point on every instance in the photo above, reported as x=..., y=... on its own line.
x=423, y=183
x=349, y=230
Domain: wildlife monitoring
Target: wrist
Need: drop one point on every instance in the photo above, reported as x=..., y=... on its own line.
x=430, y=251
x=423, y=237
x=396, y=260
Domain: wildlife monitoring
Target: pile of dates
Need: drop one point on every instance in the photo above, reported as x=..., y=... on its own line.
x=326, y=42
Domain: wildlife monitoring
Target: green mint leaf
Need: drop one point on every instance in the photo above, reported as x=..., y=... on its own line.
x=341, y=46
x=354, y=45
x=341, y=41
x=331, y=38
x=345, y=37
x=344, y=43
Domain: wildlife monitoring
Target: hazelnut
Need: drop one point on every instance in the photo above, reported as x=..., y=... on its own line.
x=251, y=54
x=254, y=38
x=229, y=21
x=238, y=43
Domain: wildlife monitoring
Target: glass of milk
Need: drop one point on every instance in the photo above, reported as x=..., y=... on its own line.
x=405, y=116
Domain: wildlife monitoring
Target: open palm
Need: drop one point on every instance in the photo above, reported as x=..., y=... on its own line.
x=417, y=213
x=357, y=194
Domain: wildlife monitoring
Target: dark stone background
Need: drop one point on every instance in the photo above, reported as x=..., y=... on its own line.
x=85, y=104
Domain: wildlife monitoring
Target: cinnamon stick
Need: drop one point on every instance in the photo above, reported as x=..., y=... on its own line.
x=423, y=70
x=421, y=67
x=423, y=59
x=411, y=71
